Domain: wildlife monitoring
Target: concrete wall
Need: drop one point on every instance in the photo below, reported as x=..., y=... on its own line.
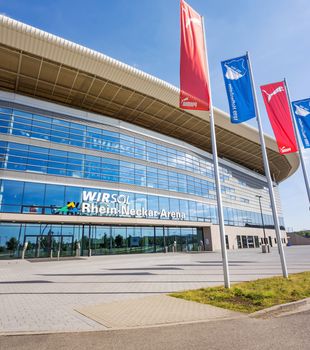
x=212, y=234
x=296, y=239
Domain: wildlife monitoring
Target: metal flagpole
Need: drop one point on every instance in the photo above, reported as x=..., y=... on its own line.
x=267, y=173
x=303, y=166
x=217, y=177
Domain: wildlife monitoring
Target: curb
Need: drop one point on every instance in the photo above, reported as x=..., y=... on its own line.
x=158, y=325
x=279, y=309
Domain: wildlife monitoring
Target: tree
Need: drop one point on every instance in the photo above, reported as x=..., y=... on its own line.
x=12, y=244
x=119, y=241
x=106, y=241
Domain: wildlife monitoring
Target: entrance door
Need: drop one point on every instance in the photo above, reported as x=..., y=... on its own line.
x=49, y=246
x=101, y=240
x=120, y=239
x=186, y=240
x=250, y=241
x=173, y=239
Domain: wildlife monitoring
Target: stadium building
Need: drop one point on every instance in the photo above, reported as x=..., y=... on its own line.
x=96, y=157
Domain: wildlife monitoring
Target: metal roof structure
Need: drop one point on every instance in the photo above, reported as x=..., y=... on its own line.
x=41, y=65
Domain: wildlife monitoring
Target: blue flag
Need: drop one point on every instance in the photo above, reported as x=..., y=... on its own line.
x=301, y=110
x=238, y=87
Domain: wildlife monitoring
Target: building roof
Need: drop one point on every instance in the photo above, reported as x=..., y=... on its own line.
x=38, y=64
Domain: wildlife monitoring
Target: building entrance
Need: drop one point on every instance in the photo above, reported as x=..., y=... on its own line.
x=48, y=246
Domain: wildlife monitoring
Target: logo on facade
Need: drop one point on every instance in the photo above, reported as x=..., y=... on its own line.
x=96, y=203
x=72, y=208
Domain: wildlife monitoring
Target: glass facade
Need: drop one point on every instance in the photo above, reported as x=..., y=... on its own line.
x=49, y=240
x=20, y=157
x=48, y=199
x=30, y=125
x=162, y=179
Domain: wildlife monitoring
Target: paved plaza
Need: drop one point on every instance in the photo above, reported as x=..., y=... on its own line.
x=44, y=296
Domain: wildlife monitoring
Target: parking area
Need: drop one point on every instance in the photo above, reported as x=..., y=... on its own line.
x=40, y=296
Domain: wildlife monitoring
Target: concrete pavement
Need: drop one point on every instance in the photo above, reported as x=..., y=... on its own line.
x=152, y=311
x=284, y=333
x=44, y=296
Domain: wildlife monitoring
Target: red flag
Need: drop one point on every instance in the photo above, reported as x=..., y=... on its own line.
x=194, y=88
x=278, y=110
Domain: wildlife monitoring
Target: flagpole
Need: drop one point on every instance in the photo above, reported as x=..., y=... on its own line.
x=217, y=175
x=267, y=174
x=303, y=166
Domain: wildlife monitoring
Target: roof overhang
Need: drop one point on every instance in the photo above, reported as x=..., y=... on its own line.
x=41, y=65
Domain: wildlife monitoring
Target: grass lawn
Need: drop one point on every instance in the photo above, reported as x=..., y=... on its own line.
x=254, y=295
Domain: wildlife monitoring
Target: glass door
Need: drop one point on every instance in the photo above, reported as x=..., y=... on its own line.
x=119, y=239
x=147, y=237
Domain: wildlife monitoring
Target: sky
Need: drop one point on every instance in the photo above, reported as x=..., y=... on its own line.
x=145, y=34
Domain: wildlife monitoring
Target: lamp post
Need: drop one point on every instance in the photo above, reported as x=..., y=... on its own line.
x=261, y=214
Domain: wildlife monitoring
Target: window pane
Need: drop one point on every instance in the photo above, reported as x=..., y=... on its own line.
x=54, y=195
x=33, y=194
x=11, y=192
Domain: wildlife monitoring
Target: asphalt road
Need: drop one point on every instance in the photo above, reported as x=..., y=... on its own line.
x=288, y=332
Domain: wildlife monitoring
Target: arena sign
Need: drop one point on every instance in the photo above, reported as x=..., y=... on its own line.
x=97, y=203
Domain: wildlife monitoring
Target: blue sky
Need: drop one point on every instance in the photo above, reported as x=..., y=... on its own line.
x=145, y=34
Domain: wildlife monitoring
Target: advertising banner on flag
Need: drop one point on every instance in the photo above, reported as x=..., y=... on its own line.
x=301, y=110
x=194, y=90
x=237, y=80
x=278, y=111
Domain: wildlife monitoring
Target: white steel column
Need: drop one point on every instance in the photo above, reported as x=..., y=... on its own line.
x=217, y=177
x=267, y=173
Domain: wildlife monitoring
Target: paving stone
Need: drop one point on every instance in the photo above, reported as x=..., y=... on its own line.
x=43, y=296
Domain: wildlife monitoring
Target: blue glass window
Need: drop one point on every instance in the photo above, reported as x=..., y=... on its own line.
x=213, y=214
x=127, y=146
x=11, y=192
x=75, y=164
x=140, y=175
x=5, y=121
x=92, y=167
x=17, y=156
x=140, y=149
x=141, y=201
x=111, y=141
x=94, y=138
x=33, y=194
x=37, y=159
x=3, y=151
x=174, y=204
x=110, y=170
x=54, y=195
x=163, y=180
x=184, y=208
x=126, y=172
x=57, y=162
x=41, y=127
x=22, y=126
x=152, y=202
x=77, y=135
x=60, y=131
x=73, y=194
x=206, y=212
